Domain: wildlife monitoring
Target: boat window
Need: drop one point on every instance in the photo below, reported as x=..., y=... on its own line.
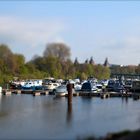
x=55, y=84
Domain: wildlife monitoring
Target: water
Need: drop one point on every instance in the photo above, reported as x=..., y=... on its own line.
x=46, y=117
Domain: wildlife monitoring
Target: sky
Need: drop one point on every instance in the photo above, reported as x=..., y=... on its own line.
x=97, y=29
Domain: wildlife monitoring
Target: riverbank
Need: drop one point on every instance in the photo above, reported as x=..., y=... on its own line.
x=123, y=135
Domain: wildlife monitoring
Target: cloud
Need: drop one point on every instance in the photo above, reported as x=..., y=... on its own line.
x=123, y=51
x=31, y=34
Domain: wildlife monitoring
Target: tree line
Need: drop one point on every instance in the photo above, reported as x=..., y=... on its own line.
x=130, y=69
x=54, y=62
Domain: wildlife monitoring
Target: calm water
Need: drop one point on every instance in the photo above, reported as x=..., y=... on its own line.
x=44, y=117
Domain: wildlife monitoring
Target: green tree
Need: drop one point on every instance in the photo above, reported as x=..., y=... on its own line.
x=7, y=57
x=59, y=50
x=20, y=62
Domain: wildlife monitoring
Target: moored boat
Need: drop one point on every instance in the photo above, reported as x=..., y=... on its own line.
x=0, y=90
x=136, y=86
x=60, y=91
x=89, y=86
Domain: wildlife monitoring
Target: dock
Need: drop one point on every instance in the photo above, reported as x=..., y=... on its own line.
x=6, y=92
x=88, y=93
x=28, y=91
x=106, y=94
x=40, y=92
x=100, y=94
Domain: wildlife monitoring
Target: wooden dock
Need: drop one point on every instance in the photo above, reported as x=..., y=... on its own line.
x=16, y=91
x=29, y=91
x=40, y=92
x=102, y=95
x=93, y=94
x=105, y=94
x=6, y=92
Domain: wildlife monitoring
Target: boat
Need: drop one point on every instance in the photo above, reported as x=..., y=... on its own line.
x=16, y=84
x=33, y=84
x=99, y=85
x=110, y=85
x=60, y=91
x=104, y=82
x=50, y=84
x=118, y=87
x=128, y=85
x=89, y=86
x=76, y=83
x=136, y=86
x=77, y=86
x=0, y=90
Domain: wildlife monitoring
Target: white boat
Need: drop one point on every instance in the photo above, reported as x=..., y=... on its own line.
x=32, y=84
x=51, y=86
x=77, y=87
x=99, y=85
x=0, y=90
x=77, y=84
x=60, y=91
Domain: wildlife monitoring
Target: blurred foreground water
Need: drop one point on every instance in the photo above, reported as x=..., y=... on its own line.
x=46, y=117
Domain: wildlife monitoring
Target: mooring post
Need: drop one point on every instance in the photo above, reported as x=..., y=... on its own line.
x=69, y=89
x=70, y=94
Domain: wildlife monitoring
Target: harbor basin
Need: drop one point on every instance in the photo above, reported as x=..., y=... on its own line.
x=46, y=117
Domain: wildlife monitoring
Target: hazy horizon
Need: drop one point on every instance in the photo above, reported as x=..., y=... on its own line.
x=90, y=28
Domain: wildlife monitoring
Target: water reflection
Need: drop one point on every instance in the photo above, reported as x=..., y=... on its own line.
x=2, y=113
x=87, y=100
x=125, y=100
x=69, y=113
x=3, y=107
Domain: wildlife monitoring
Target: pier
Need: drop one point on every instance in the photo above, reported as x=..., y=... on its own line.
x=100, y=94
x=6, y=92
